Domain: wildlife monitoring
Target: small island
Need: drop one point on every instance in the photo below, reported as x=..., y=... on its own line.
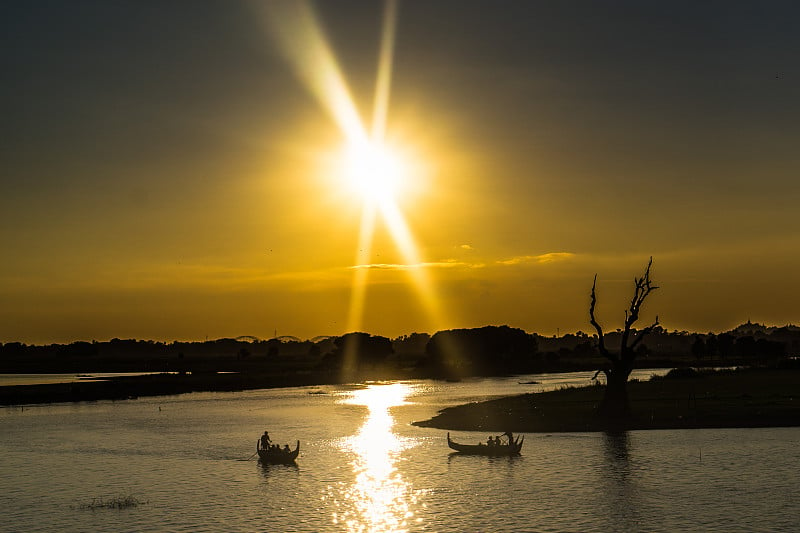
x=684, y=398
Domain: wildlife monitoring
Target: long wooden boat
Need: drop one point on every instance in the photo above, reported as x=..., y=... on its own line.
x=277, y=456
x=513, y=448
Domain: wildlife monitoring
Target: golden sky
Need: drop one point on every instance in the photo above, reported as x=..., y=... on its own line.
x=177, y=172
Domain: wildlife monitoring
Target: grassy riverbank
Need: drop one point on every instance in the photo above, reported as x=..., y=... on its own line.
x=741, y=398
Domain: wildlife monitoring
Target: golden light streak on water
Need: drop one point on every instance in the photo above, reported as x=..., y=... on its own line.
x=380, y=499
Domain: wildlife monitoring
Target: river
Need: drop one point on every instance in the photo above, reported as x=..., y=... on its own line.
x=186, y=462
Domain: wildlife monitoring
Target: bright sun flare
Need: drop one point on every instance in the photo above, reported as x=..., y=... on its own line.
x=377, y=173
x=374, y=171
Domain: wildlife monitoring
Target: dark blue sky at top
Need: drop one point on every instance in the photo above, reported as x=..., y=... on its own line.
x=109, y=45
x=129, y=79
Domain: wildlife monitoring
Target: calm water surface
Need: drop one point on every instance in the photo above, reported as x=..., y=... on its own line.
x=363, y=467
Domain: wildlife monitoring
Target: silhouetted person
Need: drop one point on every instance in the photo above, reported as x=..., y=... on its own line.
x=510, y=437
x=265, y=441
x=286, y=448
x=490, y=441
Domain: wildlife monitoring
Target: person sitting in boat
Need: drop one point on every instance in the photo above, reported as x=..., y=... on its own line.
x=286, y=448
x=510, y=437
x=490, y=441
x=265, y=441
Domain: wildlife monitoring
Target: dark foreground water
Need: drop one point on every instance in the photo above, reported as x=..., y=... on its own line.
x=363, y=467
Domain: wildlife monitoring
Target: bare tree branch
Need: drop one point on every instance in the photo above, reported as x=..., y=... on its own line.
x=644, y=333
x=600, y=336
x=642, y=287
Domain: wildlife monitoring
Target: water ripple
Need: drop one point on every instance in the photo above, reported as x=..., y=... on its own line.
x=363, y=467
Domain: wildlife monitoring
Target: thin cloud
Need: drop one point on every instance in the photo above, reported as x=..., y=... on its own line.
x=539, y=259
x=554, y=256
x=431, y=264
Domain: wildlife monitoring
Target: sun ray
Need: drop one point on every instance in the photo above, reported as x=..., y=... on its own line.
x=404, y=240
x=358, y=289
x=383, y=84
x=295, y=28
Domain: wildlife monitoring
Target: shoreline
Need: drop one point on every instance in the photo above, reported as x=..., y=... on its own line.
x=698, y=399
x=741, y=398
x=171, y=383
x=148, y=385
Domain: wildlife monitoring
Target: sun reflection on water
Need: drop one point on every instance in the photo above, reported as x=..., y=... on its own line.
x=379, y=499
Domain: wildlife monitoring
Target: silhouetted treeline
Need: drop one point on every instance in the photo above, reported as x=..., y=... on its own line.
x=483, y=351
x=357, y=351
x=488, y=350
x=129, y=355
x=746, y=343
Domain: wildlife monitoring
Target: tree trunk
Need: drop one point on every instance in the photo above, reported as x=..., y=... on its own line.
x=615, y=406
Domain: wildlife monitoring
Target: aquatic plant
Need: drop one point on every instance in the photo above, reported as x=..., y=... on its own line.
x=116, y=502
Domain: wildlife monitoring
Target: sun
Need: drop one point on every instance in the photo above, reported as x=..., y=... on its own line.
x=375, y=165
x=374, y=170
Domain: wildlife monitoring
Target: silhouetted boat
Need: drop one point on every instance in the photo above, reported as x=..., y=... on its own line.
x=279, y=456
x=512, y=448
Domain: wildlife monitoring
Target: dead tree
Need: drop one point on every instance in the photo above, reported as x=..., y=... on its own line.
x=615, y=403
